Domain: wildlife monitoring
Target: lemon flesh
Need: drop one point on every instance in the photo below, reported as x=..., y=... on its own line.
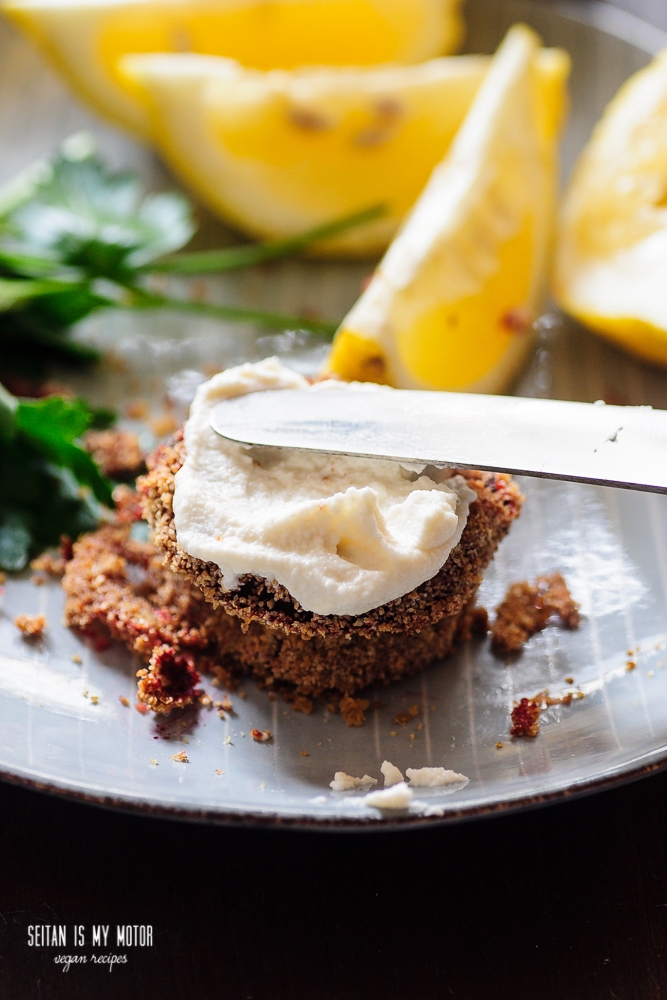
x=84, y=39
x=451, y=303
x=611, y=263
x=277, y=153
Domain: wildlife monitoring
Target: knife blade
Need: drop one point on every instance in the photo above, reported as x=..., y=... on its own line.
x=624, y=446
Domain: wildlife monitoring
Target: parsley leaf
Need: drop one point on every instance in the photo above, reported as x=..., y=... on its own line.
x=76, y=237
x=43, y=469
x=82, y=215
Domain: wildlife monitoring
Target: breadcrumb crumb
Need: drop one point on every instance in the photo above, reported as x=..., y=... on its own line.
x=302, y=704
x=49, y=563
x=352, y=710
x=527, y=608
x=123, y=700
x=31, y=626
x=117, y=452
x=526, y=713
x=261, y=735
x=473, y=622
x=181, y=756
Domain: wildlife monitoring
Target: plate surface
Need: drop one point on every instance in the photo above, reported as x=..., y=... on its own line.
x=611, y=546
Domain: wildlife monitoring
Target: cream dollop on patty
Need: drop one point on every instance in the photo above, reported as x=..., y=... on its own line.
x=343, y=535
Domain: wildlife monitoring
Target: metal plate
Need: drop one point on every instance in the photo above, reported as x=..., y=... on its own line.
x=611, y=546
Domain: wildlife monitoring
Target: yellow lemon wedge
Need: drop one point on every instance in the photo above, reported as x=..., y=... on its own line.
x=280, y=152
x=450, y=305
x=611, y=261
x=84, y=39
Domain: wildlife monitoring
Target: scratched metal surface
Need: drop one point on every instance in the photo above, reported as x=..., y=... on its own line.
x=611, y=546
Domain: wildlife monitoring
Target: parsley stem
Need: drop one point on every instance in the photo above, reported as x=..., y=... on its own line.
x=232, y=258
x=8, y=404
x=146, y=300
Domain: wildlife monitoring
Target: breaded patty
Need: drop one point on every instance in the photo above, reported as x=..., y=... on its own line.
x=257, y=600
x=117, y=587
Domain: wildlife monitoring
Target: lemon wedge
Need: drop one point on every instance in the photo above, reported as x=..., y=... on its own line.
x=278, y=153
x=84, y=39
x=611, y=263
x=451, y=303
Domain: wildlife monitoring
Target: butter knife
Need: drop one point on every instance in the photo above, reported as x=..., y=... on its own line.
x=623, y=446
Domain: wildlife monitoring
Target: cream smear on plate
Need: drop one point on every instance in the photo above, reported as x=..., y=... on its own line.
x=343, y=535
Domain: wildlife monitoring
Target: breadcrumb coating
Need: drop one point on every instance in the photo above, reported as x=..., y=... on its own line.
x=118, y=588
x=117, y=452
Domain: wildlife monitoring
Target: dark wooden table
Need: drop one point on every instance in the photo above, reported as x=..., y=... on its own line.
x=564, y=903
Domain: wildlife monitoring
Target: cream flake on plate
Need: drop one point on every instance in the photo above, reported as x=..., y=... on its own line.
x=346, y=783
x=343, y=535
x=397, y=797
x=433, y=777
x=392, y=775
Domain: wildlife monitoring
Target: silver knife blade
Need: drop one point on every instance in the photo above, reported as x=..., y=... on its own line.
x=622, y=446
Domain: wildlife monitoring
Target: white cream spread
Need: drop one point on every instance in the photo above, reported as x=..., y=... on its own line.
x=343, y=535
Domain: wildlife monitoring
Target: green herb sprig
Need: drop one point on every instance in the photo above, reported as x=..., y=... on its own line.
x=50, y=485
x=76, y=237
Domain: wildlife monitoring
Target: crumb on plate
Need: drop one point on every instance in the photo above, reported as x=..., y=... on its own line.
x=302, y=704
x=343, y=782
x=116, y=451
x=353, y=710
x=526, y=610
x=392, y=775
x=433, y=777
x=261, y=735
x=397, y=797
x=31, y=626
